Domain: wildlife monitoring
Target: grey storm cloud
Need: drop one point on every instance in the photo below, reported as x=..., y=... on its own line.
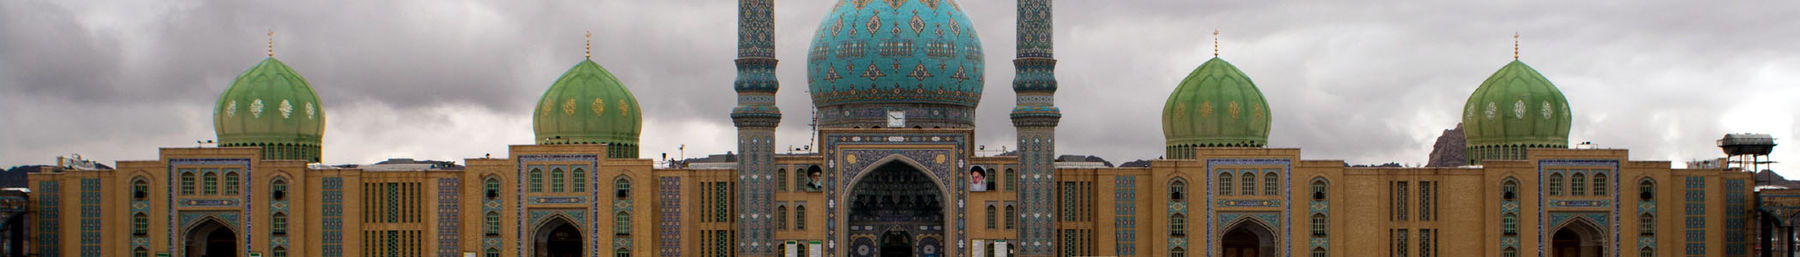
x=435, y=79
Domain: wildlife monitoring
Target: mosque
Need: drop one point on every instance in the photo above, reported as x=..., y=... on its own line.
x=895, y=84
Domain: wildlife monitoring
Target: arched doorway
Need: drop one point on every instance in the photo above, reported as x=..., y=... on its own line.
x=1247, y=239
x=897, y=204
x=557, y=238
x=211, y=238
x=12, y=236
x=1578, y=238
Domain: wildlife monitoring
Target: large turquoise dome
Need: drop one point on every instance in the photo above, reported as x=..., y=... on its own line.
x=1215, y=106
x=1513, y=110
x=873, y=57
x=272, y=107
x=587, y=105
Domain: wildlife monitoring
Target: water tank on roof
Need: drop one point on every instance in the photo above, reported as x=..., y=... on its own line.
x=1747, y=144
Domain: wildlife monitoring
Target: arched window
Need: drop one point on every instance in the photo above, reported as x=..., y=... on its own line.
x=187, y=183
x=622, y=223
x=140, y=252
x=1646, y=224
x=231, y=183
x=781, y=180
x=490, y=224
x=1576, y=185
x=209, y=183
x=1225, y=183
x=278, y=252
x=622, y=252
x=800, y=217
x=536, y=180
x=1249, y=184
x=1271, y=182
x=1509, y=224
x=1318, y=190
x=1011, y=217
x=1318, y=252
x=800, y=179
x=556, y=180
x=1509, y=190
x=140, y=224
x=1319, y=225
x=278, y=224
x=1011, y=178
x=1646, y=190
x=781, y=217
x=140, y=189
x=991, y=212
x=1177, y=252
x=1177, y=225
x=492, y=186
x=493, y=252
x=1646, y=252
x=1556, y=183
x=1509, y=252
x=1599, y=184
x=622, y=187
x=1177, y=190
x=578, y=180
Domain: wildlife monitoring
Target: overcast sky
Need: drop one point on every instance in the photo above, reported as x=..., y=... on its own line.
x=452, y=79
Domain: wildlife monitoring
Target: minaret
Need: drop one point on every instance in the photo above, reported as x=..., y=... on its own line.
x=1035, y=117
x=756, y=117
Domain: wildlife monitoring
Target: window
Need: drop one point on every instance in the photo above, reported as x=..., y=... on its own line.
x=1318, y=225
x=799, y=180
x=1599, y=184
x=278, y=252
x=1318, y=190
x=800, y=217
x=578, y=180
x=1425, y=190
x=1400, y=243
x=491, y=224
x=278, y=189
x=622, y=223
x=493, y=188
x=1399, y=202
x=1225, y=183
x=1318, y=252
x=1576, y=187
x=1011, y=178
x=622, y=252
x=279, y=224
x=1509, y=224
x=781, y=217
x=1177, y=190
x=1646, y=190
x=622, y=187
x=991, y=212
x=1011, y=217
x=1177, y=225
x=140, y=224
x=493, y=252
x=1509, y=252
x=187, y=183
x=1556, y=184
x=781, y=180
x=1270, y=184
x=231, y=183
x=1509, y=190
x=1249, y=183
x=140, y=252
x=556, y=180
x=1177, y=252
x=140, y=189
x=536, y=180
x=1646, y=224
x=1646, y=252
x=1425, y=243
x=209, y=183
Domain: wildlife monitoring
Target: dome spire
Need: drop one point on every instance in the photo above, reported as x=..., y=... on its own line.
x=1215, y=43
x=271, y=42
x=1515, y=45
x=588, y=48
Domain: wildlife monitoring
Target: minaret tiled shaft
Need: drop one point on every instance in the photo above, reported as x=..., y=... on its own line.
x=1036, y=117
x=756, y=118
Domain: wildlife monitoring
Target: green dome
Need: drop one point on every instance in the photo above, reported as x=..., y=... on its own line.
x=1515, y=109
x=1216, y=106
x=587, y=105
x=272, y=107
x=871, y=57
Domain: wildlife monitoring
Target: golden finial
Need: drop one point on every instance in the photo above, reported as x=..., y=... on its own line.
x=271, y=43
x=1215, y=43
x=588, y=48
x=1515, y=46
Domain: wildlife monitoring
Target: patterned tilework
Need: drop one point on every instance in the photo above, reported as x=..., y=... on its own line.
x=1646, y=241
x=1696, y=216
x=1735, y=244
x=448, y=221
x=756, y=192
x=48, y=215
x=854, y=161
x=1037, y=152
x=1036, y=118
x=1319, y=207
x=333, y=212
x=1273, y=219
x=489, y=205
x=90, y=217
x=669, y=216
x=1125, y=215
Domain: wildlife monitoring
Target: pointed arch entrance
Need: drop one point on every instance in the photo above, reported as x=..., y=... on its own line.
x=557, y=237
x=1247, y=238
x=898, y=204
x=211, y=238
x=1577, y=238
